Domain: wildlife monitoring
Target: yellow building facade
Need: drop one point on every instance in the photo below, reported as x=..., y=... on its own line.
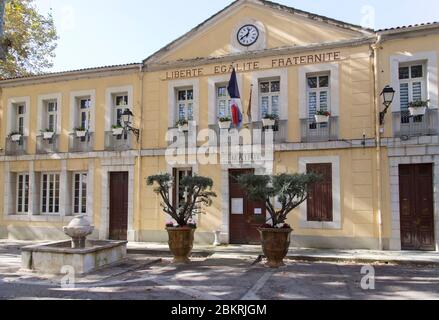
x=62, y=155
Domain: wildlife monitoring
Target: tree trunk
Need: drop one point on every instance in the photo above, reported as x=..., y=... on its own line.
x=2, y=30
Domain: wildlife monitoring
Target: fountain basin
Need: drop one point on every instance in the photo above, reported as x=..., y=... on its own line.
x=53, y=257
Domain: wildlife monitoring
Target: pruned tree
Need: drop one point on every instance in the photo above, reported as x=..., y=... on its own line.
x=291, y=190
x=27, y=39
x=198, y=193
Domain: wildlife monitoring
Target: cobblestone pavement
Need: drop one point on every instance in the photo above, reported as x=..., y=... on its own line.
x=220, y=277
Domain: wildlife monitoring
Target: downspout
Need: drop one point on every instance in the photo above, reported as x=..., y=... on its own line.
x=376, y=47
x=140, y=145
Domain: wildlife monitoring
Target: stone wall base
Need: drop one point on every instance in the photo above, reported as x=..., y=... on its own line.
x=336, y=243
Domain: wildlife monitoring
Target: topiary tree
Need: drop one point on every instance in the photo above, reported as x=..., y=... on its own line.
x=291, y=191
x=198, y=193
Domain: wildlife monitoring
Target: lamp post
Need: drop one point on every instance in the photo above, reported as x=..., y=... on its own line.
x=127, y=117
x=388, y=94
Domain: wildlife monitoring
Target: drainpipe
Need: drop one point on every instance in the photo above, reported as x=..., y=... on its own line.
x=139, y=151
x=376, y=47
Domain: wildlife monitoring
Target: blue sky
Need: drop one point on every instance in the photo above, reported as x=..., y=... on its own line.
x=106, y=32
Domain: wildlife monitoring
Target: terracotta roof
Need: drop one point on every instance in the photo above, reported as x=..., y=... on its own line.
x=426, y=24
x=84, y=70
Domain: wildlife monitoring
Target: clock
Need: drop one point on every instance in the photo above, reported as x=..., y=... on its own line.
x=248, y=35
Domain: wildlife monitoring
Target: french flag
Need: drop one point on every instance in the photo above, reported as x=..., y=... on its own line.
x=235, y=97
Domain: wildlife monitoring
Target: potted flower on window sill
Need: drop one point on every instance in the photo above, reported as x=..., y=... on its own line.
x=182, y=125
x=117, y=130
x=80, y=132
x=418, y=108
x=322, y=116
x=198, y=193
x=291, y=191
x=15, y=136
x=269, y=120
x=225, y=123
x=48, y=134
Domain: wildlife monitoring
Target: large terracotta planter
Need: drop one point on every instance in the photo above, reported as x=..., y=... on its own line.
x=181, y=243
x=275, y=244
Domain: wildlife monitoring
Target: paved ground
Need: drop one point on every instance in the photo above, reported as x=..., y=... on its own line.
x=222, y=276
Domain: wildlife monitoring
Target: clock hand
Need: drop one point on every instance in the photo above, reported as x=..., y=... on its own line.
x=245, y=36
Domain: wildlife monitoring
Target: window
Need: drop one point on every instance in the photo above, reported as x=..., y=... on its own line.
x=318, y=94
x=223, y=101
x=185, y=103
x=79, y=193
x=412, y=88
x=84, y=105
x=20, y=113
x=22, y=194
x=50, y=193
x=51, y=111
x=320, y=201
x=269, y=93
x=120, y=104
x=180, y=192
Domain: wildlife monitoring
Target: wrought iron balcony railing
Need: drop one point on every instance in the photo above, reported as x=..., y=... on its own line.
x=121, y=142
x=319, y=132
x=84, y=144
x=405, y=125
x=16, y=148
x=45, y=146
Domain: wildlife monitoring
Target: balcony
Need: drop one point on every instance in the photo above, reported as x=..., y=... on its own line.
x=45, y=146
x=84, y=144
x=319, y=132
x=18, y=148
x=408, y=126
x=119, y=143
x=280, y=132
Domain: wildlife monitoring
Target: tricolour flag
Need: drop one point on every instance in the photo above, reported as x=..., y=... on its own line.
x=235, y=97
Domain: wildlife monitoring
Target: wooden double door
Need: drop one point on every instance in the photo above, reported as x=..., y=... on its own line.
x=417, y=207
x=119, y=206
x=245, y=215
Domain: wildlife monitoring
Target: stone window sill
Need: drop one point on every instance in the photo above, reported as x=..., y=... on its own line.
x=39, y=218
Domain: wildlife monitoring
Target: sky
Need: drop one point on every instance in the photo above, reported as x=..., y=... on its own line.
x=107, y=32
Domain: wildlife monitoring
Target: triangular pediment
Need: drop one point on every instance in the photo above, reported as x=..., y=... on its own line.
x=278, y=26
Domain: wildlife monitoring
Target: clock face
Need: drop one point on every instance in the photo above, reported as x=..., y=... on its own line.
x=248, y=35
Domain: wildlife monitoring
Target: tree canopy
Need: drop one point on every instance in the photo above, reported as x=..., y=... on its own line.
x=198, y=192
x=291, y=191
x=28, y=41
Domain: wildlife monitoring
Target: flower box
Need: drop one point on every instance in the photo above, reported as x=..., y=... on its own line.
x=322, y=119
x=183, y=127
x=117, y=131
x=48, y=135
x=417, y=111
x=268, y=122
x=81, y=133
x=16, y=137
x=225, y=125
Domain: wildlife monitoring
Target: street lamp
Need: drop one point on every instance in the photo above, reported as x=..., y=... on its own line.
x=388, y=95
x=127, y=117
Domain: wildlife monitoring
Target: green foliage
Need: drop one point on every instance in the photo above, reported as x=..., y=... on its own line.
x=29, y=40
x=271, y=117
x=225, y=119
x=181, y=122
x=291, y=191
x=419, y=104
x=198, y=193
x=323, y=113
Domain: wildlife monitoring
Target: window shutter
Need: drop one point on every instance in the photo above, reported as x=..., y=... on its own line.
x=320, y=205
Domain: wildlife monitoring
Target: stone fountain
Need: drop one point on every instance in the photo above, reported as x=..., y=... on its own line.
x=83, y=255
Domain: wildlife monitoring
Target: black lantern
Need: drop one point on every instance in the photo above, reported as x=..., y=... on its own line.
x=127, y=119
x=388, y=94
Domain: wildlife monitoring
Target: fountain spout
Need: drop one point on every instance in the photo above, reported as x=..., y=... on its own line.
x=79, y=229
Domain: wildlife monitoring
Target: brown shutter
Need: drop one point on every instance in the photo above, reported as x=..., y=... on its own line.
x=320, y=204
x=175, y=187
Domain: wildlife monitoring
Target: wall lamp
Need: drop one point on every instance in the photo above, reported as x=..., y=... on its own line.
x=127, y=119
x=387, y=95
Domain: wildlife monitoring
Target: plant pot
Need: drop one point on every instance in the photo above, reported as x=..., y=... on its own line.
x=322, y=119
x=268, y=123
x=183, y=128
x=275, y=244
x=181, y=243
x=225, y=125
x=16, y=137
x=48, y=135
x=81, y=134
x=117, y=131
x=417, y=111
